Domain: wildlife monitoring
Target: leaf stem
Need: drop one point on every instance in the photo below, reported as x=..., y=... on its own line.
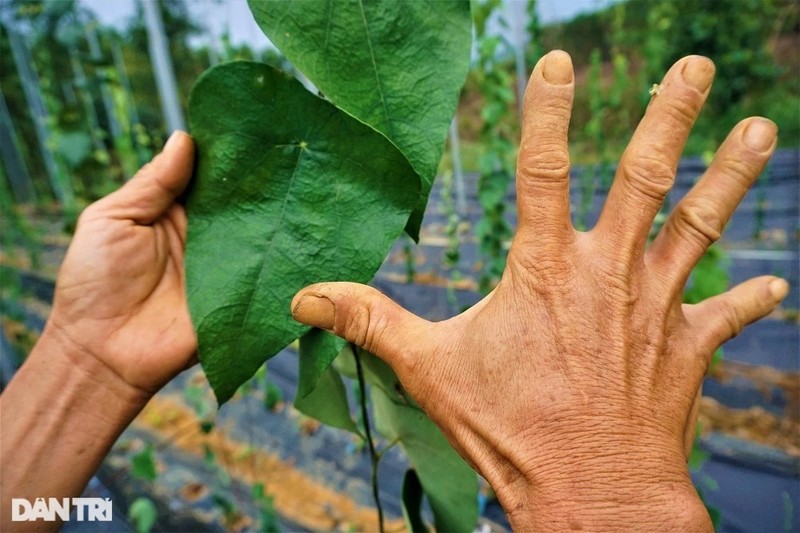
x=374, y=457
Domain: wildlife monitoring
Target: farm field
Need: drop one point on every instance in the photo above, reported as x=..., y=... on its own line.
x=389, y=156
x=750, y=412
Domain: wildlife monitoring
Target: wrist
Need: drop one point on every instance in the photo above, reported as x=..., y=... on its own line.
x=628, y=506
x=86, y=371
x=609, y=487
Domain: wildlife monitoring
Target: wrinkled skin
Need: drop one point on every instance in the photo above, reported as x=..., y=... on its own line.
x=118, y=331
x=573, y=387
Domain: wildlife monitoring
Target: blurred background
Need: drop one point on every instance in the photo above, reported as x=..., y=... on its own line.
x=90, y=90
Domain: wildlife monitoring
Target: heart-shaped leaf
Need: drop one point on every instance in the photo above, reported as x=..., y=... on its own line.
x=395, y=65
x=288, y=191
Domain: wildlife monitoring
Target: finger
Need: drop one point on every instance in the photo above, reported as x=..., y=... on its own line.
x=362, y=315
x=647, y=168
x=700, y=217
x=543, y=162
x=155, y=187
x=722, y=317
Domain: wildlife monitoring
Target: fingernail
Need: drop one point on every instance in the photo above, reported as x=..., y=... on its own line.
x=172, y=139
x=557, y=68
x=760, y=134
x=698, y=72
x=316, y=311
x=778, y=288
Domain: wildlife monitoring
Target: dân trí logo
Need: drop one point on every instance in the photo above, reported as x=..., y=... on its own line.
x=50, y=509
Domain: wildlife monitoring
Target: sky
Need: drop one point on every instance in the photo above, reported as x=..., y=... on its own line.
x=234, y=15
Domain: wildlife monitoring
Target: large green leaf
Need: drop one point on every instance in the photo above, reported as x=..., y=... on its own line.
x=397, y=65
x=288, y=191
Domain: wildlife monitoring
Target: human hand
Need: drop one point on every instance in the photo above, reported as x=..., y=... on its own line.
x=570, y=387
x=120, y=295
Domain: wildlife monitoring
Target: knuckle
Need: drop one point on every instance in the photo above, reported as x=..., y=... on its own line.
x=617, y=276
x=364, y=327
x=740, y=170
x=376, y=327
x=356, y=324
x=730, y=314
x=684, y=108
x=544, y=273
x=549, y=164
x=650, y=176
x=698, y=219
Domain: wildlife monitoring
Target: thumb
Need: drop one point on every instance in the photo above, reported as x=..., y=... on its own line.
x=364, y=316
x=155, y=187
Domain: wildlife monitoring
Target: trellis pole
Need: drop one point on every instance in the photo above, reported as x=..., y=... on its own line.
x=86, y=98
x=60, y=185
x=162, y=66
x=17, y=172
x=458, y=173
x=108, y=100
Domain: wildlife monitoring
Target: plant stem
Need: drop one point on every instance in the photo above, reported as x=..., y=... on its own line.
x=373, y=454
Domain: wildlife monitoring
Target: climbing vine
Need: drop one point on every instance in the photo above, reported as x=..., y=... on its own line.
x=496, y=171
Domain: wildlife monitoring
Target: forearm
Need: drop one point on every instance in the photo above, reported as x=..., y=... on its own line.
x=59, y=417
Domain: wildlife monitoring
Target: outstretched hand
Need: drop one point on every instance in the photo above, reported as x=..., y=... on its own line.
x=571, y=386
x=120, y=295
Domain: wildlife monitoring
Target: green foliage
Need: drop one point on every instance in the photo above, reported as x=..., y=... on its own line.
x=452, y=255
x=496, y=170
x=258, y=197
x=266, y=509
x=16, y=232
x=143, y=464
x=142, y=512
x=653, y=34
x=273, y=397
x=409, y=258
x=535, y=49
x=709, y=278
x=740, y=52
x=396, y=66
